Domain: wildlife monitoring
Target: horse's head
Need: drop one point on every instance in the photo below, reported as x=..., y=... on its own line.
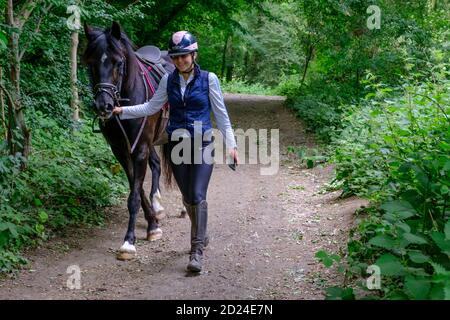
x=106, y=56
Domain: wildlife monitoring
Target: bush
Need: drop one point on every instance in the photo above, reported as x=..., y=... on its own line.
x=395, y=150
x=320, y=103
x=239, y=86
x=70, y=176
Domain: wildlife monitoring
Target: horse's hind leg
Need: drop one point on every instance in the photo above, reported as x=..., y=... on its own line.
x=155, y=195
x=153, y=230
x=154, y=162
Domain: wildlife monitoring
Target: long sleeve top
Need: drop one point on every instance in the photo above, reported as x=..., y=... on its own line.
x=160, y=98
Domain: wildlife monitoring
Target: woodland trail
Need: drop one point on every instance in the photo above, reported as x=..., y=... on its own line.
x=264, y=233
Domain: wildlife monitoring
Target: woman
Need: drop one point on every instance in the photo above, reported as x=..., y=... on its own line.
x=192, y=93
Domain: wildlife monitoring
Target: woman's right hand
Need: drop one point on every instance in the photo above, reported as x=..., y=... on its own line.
x=117, y=110
x=234, y=155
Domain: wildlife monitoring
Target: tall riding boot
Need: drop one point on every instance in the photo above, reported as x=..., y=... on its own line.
x=189, y=209
x=198, y=232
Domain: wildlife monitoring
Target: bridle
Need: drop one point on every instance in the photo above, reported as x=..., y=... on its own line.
x=113, y=90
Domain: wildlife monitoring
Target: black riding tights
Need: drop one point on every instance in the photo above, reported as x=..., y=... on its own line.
x=193, y=178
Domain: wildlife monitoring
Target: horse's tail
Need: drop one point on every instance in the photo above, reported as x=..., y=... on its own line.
x=166, y=167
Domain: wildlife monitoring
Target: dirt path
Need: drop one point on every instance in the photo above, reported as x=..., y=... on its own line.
x=264, y=232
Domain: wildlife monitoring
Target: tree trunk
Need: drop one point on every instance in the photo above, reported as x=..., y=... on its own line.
x=224, y=55
x=357, y=80
x=2, y=106
x=10, y=121
x=19, y=119
x=433, y=5
x=246, y=64
x=307, y=60
x=73, y=76
x=230, y=62
x=229, y=76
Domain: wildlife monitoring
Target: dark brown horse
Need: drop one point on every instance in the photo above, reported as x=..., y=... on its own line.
x=117, y=77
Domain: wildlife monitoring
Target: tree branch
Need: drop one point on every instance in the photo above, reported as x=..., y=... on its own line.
x=2, y=106
x=131, y=4
x=8, y=95
x=25, y=13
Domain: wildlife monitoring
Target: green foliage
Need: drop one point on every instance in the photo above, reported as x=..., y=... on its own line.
x=69, y=179
x=239, y=86
x=394, y=150
x=266, y=46
x=337, y=293
x=3, y=41
x=339, y=49
x=326, y=258
x=308, y=156
x=385, y=140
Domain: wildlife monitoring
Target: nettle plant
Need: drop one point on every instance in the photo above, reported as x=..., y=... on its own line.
x=400, y=159
x=311, y=157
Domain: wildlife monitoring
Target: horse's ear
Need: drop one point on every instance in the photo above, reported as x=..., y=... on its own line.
x=87, y=31
x=115, y=30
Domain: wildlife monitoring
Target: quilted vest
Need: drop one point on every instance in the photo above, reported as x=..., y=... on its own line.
x=194, y=106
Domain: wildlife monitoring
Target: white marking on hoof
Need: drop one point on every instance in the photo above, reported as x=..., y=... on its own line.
x=127, y=247
x=154, y=235
x=156, y=202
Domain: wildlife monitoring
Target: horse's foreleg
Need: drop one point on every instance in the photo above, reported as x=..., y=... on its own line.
x=127, y=250
x=134, y=199
x=155, y=194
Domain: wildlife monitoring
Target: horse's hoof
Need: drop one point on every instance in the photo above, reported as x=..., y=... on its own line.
x=160, y=215
x=124, y=256
x=154, y=234
x=127, y=251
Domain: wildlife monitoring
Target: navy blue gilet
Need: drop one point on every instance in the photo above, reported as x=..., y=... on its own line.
x=195, y=106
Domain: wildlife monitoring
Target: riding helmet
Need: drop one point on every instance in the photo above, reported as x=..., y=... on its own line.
x=182, y=42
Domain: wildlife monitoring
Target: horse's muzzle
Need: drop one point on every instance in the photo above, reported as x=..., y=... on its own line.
x=105, y=111
x=105, y=116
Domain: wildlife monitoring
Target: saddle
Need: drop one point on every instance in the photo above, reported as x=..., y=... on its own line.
x=158, y=64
